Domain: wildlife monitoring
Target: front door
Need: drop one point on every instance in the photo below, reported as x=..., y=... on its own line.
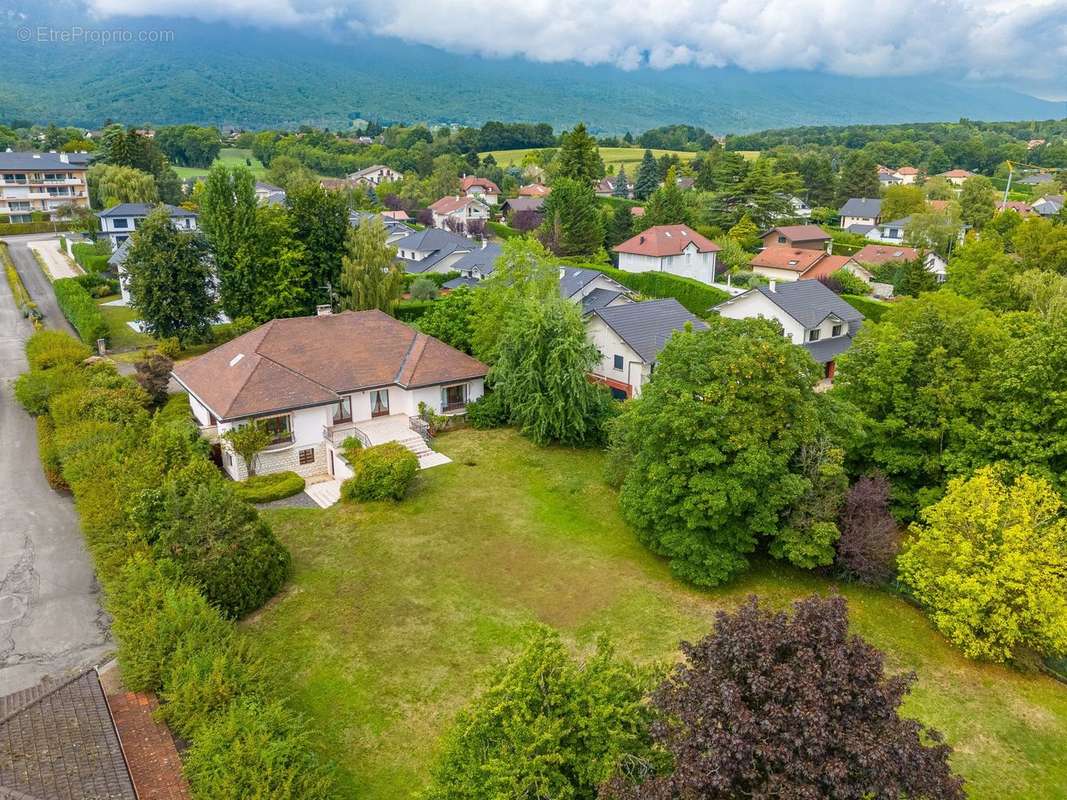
x=379, y=403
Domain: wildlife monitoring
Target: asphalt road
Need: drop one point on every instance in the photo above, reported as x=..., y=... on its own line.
x=51, y=622
x=36, y=282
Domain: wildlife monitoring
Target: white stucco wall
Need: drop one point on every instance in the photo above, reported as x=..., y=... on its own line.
x=756, y=305
x=689, y=264
x=774, y=274
x=635, y=371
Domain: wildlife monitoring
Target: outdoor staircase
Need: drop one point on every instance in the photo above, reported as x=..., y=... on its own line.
x=427, y=457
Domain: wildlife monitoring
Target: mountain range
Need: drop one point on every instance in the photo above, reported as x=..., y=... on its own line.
x=221, y=74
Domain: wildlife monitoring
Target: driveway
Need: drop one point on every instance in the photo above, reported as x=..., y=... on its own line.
x=51, y=621
x=56, y=261
x=38, y=285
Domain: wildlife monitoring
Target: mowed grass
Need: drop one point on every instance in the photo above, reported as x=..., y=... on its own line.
x=231, y=157
x=396, y=613
x=122, y=337
x=612, y=156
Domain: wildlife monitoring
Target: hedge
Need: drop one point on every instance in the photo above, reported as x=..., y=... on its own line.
x=266, y=488
x=79, y=308
x=46, y=449
x=502, y=230
x=49, y=349
x=698, y=298
x=16, y=228
x=89, y=258
x=23, y=301
x=411, y=310
x=871, y=309
x=382, y=472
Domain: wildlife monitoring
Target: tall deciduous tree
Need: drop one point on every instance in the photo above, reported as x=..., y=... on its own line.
x=228, y=220
x=901, y=201
x=779, y=705
x=278, y=267
x=370, y=277
x=707, y=453
x=320, y=224
x=579, y=157
x=978, y=201
x=989, y=561
x=548, y=726
x=869, y=541
x=572, y=224
x=168, y=277
x=110, y=184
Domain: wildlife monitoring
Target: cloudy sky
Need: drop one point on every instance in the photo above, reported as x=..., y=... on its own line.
x=1021, y=43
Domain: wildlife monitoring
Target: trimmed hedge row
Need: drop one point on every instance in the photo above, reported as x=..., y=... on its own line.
x=698, y=298
x=16, y=228
x=176, y=552
x=871, y=309
x=23, y=301
x=267, y=488
x=89, y=258
x=411, y=310
x=80, y=310
x=49, y=454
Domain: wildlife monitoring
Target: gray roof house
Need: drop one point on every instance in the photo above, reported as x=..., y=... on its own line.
x=811, y=315
x=630, y=337
x=396, y=229
x=860, y=211
x=1049, y=205
x=475, y=266
x=432, y=250
x=23, y=160
x=592, y=289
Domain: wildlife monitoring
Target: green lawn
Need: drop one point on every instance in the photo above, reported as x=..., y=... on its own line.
x=613, y=156
x=396, y=612
x=231, y=157
x=122, y=337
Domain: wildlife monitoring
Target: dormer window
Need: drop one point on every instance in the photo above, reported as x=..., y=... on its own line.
x=836, y=330
x=813, y=335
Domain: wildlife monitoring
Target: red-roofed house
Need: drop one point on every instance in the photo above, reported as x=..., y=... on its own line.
x=802, y=237
x=790, y=264
x=907, y=175
x=534, y=190
x=881, y=253
x=677, y=249
x=312, y=382
x=956, y=176
x=481, y=188
x=460, y=209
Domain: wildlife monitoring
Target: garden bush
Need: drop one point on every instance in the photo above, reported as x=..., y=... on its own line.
x=255, y=750
x=98, y=285
x=871, y=309
x=698, y=298
x=487, y=411
x=46, y=349
x=411, y=310
x=266, y=488
x=49, y=454
x=34, y=389
x=92, y=257
x=849, y=283
x=382, y=472
x=81, y=310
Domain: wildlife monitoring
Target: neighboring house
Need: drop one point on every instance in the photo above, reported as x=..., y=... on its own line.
x=377, y=174
x=789, y=264
x=629, y=338
x=801, y=210
x=591, y=289
x=475, y=266
x=1036, y=179
x=810, y=314
x=514, y=205
x=394, y=228
x=1022, y=208
x=270, y=195
x=337, y=184
x=936, y=265
x=1048, y=206
x=860, y=211
x=1030, y=145
x=637, y=211
x=534, y=190
x=956, y=176
x=606, y=187
x=940, y=206
x=908, y=175
x=458, y=210
x=803, y=237
x=481, y=188
x=313, y=382
x=878, y=254
x=888, y=177
x=890, y=232
x=432, y=250
x=677, y=249
x=400, y=215
x=41, y=182
x=685, y=183
x=120, y=221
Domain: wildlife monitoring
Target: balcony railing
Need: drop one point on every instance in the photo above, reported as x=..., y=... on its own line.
x=421, y=427
x=336, y=434
x=449, y=408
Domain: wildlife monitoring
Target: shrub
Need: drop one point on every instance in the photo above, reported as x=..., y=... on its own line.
x=871, y=309
x=265, y=488
x=92, y=257
x=423, y=289
x=411, y=310
x=153, y=375
x=78, y=307
x=231, y=330
x=122, y=404
x=383, y=472
x=202, y=683
x=697, y=297
x=486, y=412
x=49, y=454
x=46, y=349
x=350, y=449
x=869, y=541
x=98, y=285
x=169, y=348
x=255, y=750
x=35, y=389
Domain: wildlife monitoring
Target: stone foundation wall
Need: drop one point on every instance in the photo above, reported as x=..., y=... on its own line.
x=279, y=461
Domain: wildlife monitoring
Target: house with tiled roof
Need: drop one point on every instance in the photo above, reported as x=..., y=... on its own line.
x=457, y=212
x=432, y=250
x=787, y=264
x=1049, y=205
x=811, y=315
x=956, y=176
x=591, y=289
x=802, y=237
x=313, y=382
x=120, y=221
x=395, y=229
x=878, y=254
x=475, y=266
x=676, y=249
x=629, y=338
x=480, y=188
x=374, y=175
x=907, y=175
x=534, y=190
x=860, y=211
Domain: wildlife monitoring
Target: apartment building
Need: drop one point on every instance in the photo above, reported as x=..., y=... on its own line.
x=41, y=182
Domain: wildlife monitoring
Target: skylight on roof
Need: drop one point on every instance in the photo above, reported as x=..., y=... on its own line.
x=236, y=358
x=667, y=234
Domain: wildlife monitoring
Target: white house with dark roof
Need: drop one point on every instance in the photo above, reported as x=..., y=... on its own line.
x=120, y=221
x=395, y=229
x=677, y=249
x=432, y=250
x=591, y=289
x=475, y=266
x=811, y=316
x=629, y=338
x=865, y=211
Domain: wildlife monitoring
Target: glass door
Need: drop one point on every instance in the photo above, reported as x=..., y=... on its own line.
x=379, y=403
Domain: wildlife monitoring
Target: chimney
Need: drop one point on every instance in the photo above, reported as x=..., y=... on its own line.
x=562, y=270
x=64, y=158
x=642, y=239
x=323, y=310
x=830, y=247
x=773, y=286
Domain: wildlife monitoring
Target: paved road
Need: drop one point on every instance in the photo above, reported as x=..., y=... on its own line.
x=50, y=616
x=36, y=282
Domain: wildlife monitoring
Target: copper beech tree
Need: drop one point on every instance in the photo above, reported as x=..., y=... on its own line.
x=787, y=706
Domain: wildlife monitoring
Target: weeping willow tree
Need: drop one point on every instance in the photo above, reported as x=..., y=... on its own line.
x=369, y=276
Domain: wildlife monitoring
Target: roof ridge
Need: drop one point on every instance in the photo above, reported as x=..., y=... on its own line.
x=418, y=342
x=35, y=701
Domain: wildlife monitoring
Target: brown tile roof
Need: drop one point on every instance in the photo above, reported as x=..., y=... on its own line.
x=452, y=203
x=150, y=751
x=825, y=267
x=400, y=215
x=637, y=211
x=800, y=233
x=471, y=181
x=907, y=171
x=790, y=258
x=306, y=361
x=1016, y=205
x=335, y=183
x=956, y=173
x=939, y=205
x=534, y=190
x=57, y=742
x=665, y=240
x=881, y=253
